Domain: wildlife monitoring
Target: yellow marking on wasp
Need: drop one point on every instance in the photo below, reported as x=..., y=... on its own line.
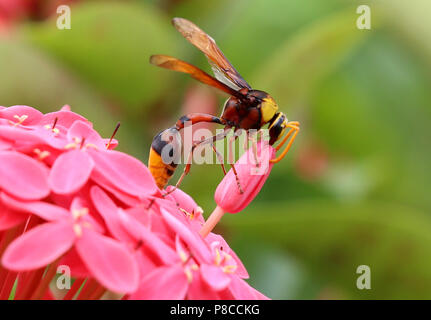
x=268, y=109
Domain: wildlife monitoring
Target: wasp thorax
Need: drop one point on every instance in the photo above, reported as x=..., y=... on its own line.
x=268, y=109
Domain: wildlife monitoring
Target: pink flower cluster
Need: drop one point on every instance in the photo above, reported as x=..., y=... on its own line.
x=67, y=198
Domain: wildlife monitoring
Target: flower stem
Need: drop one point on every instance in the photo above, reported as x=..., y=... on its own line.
x=212, y=221
x=44, y=283
x=27, y=283
x=89, y=287
x=7, y=238
x=98, y=293
x=75, y=287
x=8, y=285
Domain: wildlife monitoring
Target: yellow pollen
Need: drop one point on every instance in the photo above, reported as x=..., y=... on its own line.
x=194, y=267
x=229, y=269
x=189, y=275
x=218, y=257
x=227, y=256
x=54, y=130
x=77, y=229
x=90, y=145
x=183, y=256
x=41, y=154
x=199, y=210
x=71, y=145
x=77, y=213
x=20, y=119
x=86, y=224
x=188, y=214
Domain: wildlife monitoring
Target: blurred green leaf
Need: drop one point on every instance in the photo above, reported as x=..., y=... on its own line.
x=34, y=79
x=109, y=45
x=332, y=240
x=305, y=58
x=380, y=115
x=409, y=21
x=250, y=31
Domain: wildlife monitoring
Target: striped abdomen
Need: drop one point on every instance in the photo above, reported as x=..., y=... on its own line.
x=164, y=156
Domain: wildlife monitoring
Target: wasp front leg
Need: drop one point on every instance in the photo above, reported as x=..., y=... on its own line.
x=231, y=161
x=294, y=129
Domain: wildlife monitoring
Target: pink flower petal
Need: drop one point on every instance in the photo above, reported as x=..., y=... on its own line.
x=64, y=118
x=120, y=195
x=10, y=218
x=214, y=277
x=145, y=261
x=125, y=172
x=70, y=171
x=83, y=130
x=108, y=261
x=149, y=239
x=140, y=213
x=223, y=246
x=5, y=144
x=110, y=144
x=110, y=214
x=33, y=115
x=44, y=210
x=74, y=262
x=199, y=290
x=186, y=203
x=23, y=176
x=192, y=239
x=164, y=283
x=90, y=220
x=241, y=290
x=13, y=133
x=39, y=246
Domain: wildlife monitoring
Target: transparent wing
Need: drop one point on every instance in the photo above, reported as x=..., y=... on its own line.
x=222, y=68
x=175, y=64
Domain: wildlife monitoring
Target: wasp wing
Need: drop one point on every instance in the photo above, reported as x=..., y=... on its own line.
x=222, y=68
x=175, y=64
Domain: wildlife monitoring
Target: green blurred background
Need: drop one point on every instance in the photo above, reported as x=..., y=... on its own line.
x=353, y=191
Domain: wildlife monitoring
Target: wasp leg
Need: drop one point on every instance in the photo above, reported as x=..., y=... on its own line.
x=220, y=158
x=253, y=140
x=190, y=158
x=294, y=129
x=196, y=118
x=231, y=162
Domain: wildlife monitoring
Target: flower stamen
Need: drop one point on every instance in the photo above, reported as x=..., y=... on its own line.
x=20, y=120
x=41, y=154
x=53, y=128
x=77, y=229
x=78, y=213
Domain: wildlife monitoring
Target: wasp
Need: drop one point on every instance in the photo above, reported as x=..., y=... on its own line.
x=246, y=108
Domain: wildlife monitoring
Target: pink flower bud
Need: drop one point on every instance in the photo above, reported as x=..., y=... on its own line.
x=251, y=177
